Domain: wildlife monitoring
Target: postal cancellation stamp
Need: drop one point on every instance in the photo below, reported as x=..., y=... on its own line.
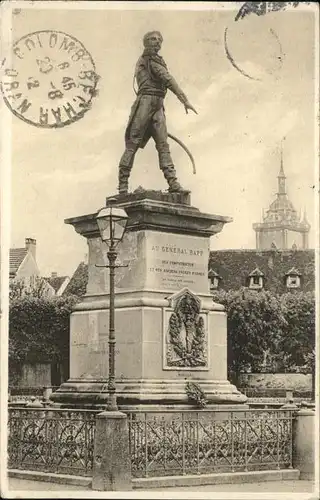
x=50, y=81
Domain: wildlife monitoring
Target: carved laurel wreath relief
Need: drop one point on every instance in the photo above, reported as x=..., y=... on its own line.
x=186, y=343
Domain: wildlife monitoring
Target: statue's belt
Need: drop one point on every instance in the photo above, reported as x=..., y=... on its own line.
x=153, y=93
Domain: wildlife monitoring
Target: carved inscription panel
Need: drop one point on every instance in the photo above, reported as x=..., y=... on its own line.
x=177, y=261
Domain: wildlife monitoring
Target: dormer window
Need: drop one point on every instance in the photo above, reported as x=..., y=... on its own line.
x=293, y=278
x=256, y=279
x=293, y=281
x=214, y=279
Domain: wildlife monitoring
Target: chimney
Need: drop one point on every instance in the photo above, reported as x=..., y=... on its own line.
x=54, y=275
x=30, y=245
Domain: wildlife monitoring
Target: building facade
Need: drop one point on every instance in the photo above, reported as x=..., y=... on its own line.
x=23, y=262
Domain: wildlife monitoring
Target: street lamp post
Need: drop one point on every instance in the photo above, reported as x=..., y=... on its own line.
x=112, y=223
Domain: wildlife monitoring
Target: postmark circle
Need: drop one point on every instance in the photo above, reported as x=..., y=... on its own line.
x=50, y=81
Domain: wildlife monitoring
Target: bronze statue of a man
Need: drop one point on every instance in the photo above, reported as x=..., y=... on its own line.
x=147, y=118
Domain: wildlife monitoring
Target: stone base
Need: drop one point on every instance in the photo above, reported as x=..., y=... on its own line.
x=168, y=481
x=216, y=478
x=163, y=261
x=111, y=457
x=177, y=198
x=137, y=392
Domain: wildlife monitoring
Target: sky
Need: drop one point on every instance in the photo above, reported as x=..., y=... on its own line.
x=235, y=138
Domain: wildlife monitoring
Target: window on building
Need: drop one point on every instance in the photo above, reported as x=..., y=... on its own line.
x=256, y=282
x=293, y=281
x=214, y=283
x=256, y=279
x=214, y=280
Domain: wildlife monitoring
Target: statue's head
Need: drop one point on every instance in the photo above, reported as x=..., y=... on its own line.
x=153, y=40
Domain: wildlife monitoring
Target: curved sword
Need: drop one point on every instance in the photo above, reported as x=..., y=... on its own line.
x=184, y=147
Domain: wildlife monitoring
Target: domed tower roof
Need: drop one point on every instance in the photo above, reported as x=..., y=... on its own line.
x=281, y=219
x=281, y=211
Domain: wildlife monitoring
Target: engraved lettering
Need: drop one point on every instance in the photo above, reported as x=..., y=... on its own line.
x=86, y=88
x=15, y=96
x=78, y=55
x=69, y=110
x=17, y=52
x=39, y=41
x=91, y=75
x=53, y=40
x=32, y=83
x=12, y=85
x=11, y=72
x=43, y=117
x=57, y=114
x=24, y=106
x=36, y=99
x=68, y=83
x=29, y=44
x=63, y=65
x=67, y=44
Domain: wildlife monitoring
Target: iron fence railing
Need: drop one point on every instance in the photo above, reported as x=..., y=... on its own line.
x=177, y=443
x=51, y=440
x=161, y=443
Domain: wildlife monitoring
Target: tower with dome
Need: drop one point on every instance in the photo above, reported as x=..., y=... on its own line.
x=281, y=227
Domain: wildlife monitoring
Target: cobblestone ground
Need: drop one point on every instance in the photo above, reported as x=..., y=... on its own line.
x=263, y=487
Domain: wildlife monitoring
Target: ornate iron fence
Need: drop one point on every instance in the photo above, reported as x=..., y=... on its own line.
x=202, y=442
x=51, y=440
x=161, y=443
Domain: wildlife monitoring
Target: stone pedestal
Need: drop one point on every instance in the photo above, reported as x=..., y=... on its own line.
x=111, y=460
x=304, y=457
x=168, y=330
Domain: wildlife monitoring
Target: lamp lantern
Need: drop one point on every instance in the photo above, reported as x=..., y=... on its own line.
x=112, y=223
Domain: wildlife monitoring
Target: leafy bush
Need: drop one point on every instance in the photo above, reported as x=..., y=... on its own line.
x=39, y=330
x=31, y=287
x=298, y=337
x=255, y=325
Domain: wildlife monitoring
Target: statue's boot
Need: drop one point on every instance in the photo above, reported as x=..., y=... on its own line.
x=125, y=167
x=167, y=167
x=124, y=174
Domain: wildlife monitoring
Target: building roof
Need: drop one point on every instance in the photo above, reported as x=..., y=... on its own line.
x=16, y=257
x=256, y=272
x=235, y=267
x=56, y=281
x=293, y=272
x=213, y=274
x=78, y=282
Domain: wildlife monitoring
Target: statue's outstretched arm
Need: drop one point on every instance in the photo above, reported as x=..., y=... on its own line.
x=163, y=74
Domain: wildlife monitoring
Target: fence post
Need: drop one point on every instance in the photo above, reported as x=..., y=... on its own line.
x=47, y=391
x=303, y=443
x=111, y=456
